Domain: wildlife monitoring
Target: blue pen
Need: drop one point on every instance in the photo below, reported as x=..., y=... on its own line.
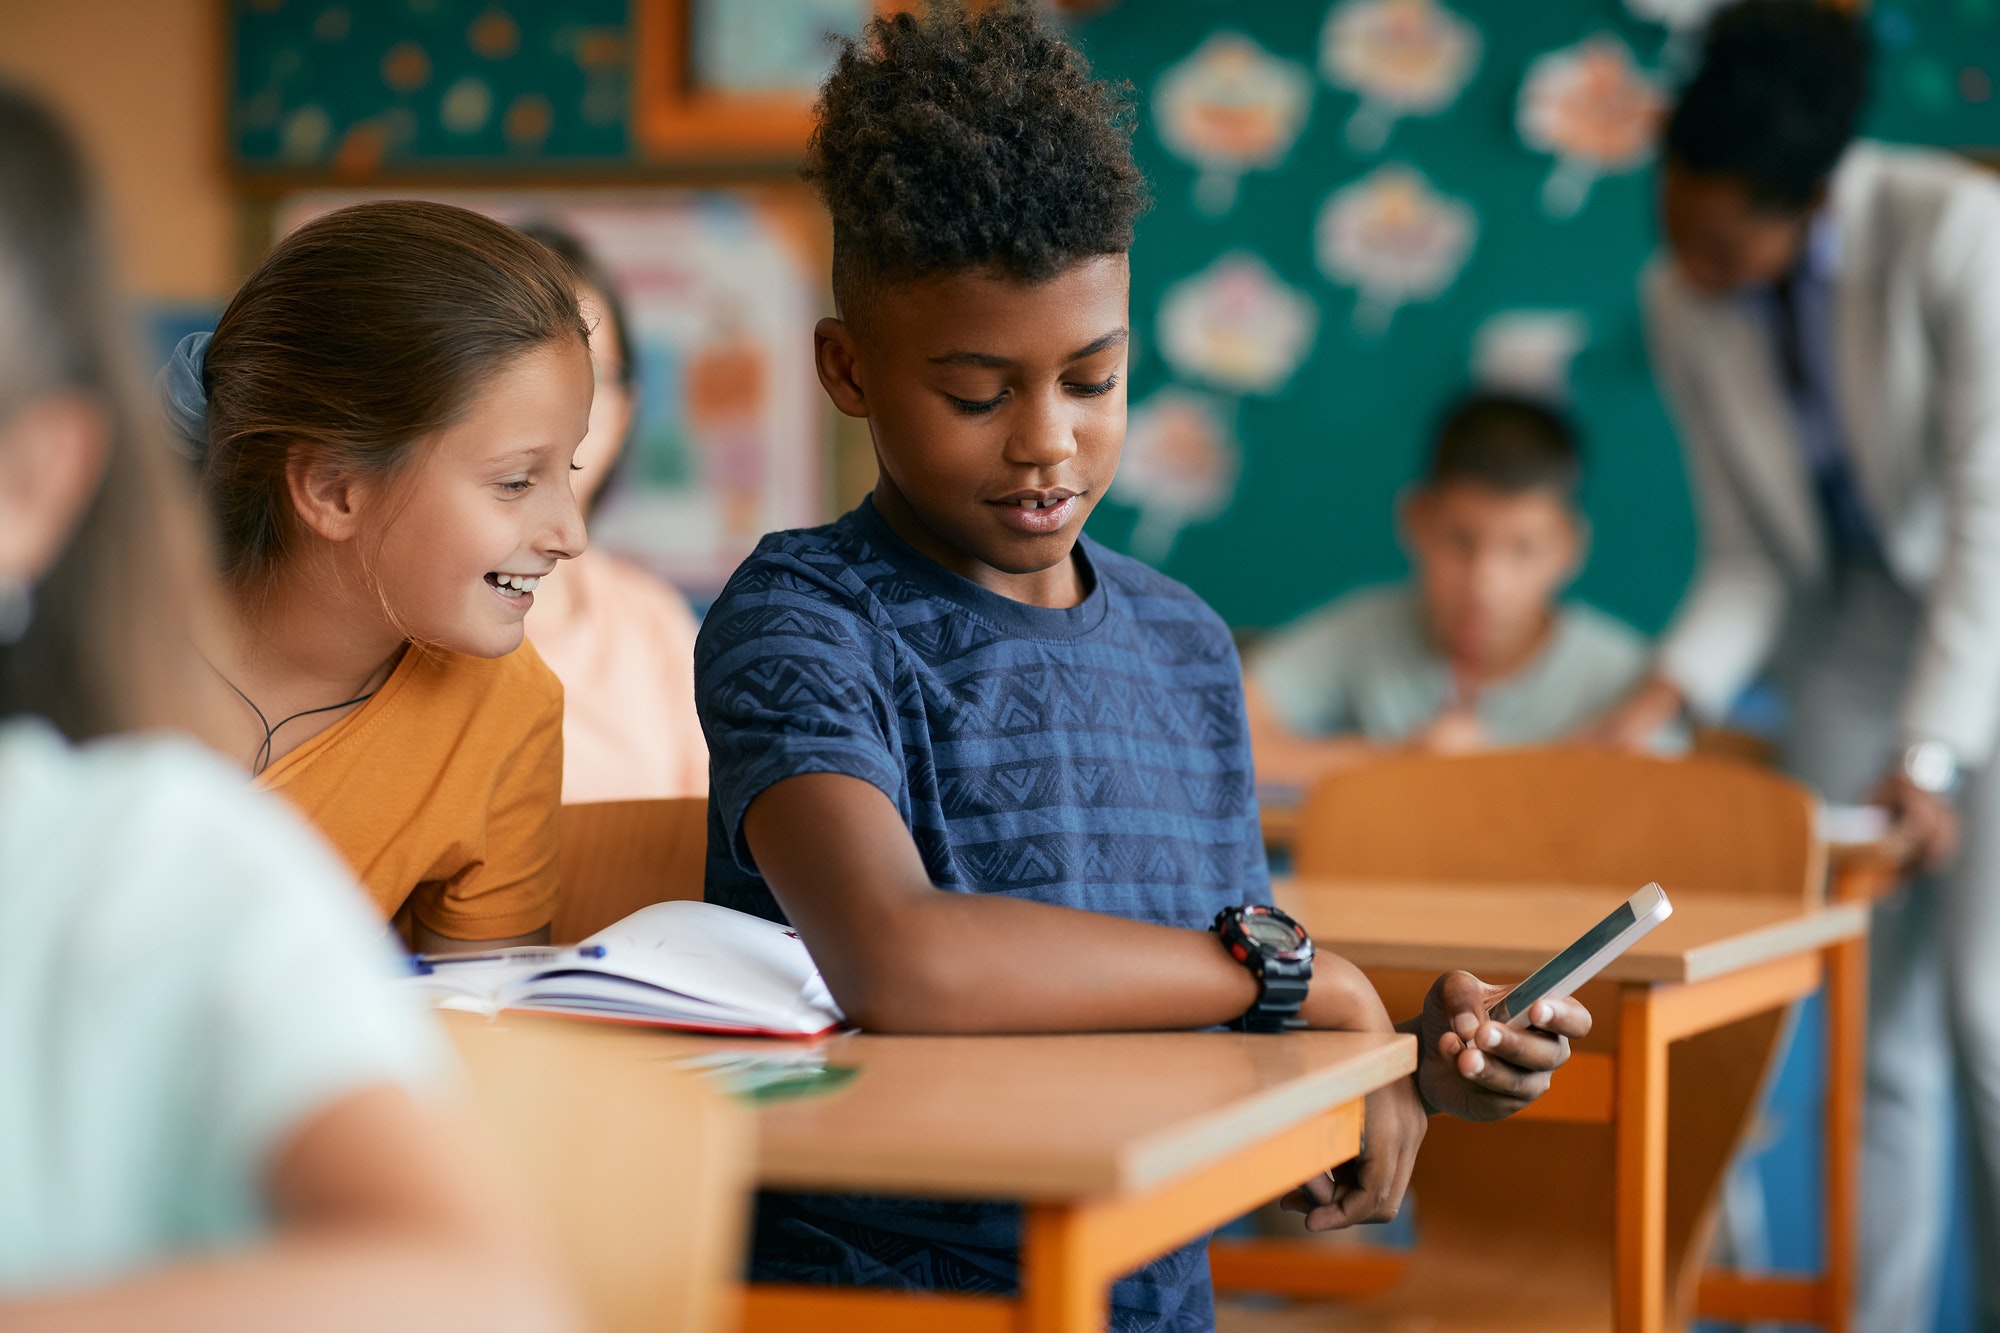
x=424, y=964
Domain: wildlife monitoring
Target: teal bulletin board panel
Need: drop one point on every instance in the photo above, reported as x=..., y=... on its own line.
x=1320, y=457
x=349, y=86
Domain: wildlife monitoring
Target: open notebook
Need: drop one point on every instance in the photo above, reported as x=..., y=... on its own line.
x=690, y=965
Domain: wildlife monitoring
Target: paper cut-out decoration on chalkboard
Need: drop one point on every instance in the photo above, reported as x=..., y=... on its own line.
x=1179, y=467
x=1677, y=14
x=1401, y=57
x=1592, y=108
x=1230, y=107
x=1529, y=352
x=1394, y=239
x=1237, y=326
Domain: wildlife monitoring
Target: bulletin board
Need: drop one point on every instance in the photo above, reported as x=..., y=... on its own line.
x=1366, y=206
x=349, y=87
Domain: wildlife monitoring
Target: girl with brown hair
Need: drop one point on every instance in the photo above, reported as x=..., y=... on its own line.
x=385, y=421
x=213, y=1110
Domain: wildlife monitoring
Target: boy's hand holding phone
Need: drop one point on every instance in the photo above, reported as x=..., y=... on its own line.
x=1479, y=1069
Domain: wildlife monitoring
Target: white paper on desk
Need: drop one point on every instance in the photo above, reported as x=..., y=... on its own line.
x=1853, y=825
x=677, y=964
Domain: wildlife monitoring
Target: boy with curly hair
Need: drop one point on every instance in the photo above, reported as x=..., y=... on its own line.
x=996, y=775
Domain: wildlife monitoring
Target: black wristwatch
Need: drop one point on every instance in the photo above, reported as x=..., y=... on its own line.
x=1279, y=954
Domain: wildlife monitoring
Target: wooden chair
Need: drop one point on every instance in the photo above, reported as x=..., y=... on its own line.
x=1515, y=1220
x=620, y=856
x=638, y=1174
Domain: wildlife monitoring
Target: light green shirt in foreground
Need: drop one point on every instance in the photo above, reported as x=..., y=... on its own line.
x=1365, y=666
x=187, y=974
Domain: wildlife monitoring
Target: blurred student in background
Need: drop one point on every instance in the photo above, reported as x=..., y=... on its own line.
x=1826, y=327
x=621, y=640
x=1478, y=648
x=208, y=1092
x=385, y=421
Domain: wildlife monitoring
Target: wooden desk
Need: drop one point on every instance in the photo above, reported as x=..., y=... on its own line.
x=1714, y=961
x=1120, y=1146
x=1864, y=871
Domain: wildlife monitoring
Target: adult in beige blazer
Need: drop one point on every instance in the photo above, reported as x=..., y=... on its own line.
x=1825, y=326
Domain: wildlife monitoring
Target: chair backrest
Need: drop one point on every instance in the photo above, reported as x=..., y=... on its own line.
x=637, y=1174
x=1573, y=816
x=620, y=856
x=1565, y=816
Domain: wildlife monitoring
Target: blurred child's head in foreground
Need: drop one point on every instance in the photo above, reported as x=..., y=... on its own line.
x=101, y=564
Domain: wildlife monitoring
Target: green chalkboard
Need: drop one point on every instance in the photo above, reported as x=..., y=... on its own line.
x=1323, y=457
x=354, y=85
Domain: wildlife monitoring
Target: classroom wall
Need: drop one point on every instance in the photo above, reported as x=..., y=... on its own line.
x=140, y=81
x=1269, y=482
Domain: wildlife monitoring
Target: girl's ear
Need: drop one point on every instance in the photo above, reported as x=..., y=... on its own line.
x=835, y=358
x=52, y=456
x=326, y=499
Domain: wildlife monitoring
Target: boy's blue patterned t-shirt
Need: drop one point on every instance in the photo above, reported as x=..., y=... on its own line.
x=1095, y=757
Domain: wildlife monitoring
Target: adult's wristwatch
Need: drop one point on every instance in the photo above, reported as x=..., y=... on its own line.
x=1279, y=954
x=1930, y=766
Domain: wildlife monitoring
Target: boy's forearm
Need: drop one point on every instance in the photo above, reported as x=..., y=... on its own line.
x=902, y=956
x=1001, y=965
x=963, y=963
x=1343, y=999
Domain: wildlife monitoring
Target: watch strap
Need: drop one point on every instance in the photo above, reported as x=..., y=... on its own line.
x=1279, y=999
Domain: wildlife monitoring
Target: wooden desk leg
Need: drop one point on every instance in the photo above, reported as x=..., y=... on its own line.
x=1641, y=1227
x=1846, y=1042
x=1059, y=1293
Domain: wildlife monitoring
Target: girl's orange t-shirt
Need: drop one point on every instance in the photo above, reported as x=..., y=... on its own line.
x=444, y=791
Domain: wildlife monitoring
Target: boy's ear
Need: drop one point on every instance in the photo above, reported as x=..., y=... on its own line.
x=836, y=356
x=326, y=499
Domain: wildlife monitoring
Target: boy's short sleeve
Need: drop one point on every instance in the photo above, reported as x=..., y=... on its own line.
x=792, y=677
x=1299, y=671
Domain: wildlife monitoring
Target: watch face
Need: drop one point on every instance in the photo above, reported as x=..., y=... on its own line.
x=1930, y=766
x=1270, y=932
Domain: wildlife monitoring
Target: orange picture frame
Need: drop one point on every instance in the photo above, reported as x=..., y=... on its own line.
x=673, y=119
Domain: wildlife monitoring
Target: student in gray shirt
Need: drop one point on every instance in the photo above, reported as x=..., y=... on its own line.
x=1477, y=649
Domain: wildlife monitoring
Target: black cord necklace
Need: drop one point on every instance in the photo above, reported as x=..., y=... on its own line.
x=262, y=759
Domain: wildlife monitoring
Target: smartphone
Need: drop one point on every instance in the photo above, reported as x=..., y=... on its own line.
x=1591, y=954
